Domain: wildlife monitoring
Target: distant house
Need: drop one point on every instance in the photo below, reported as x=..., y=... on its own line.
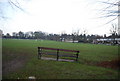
x=107, y=41
x=70, y=40
x=95, y=41
x=76, y=41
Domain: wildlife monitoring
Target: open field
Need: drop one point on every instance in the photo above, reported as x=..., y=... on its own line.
x=20, y=60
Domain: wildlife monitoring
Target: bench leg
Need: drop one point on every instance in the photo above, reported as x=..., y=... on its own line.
x=77, y=56
x=39, y=53
x=57, y=54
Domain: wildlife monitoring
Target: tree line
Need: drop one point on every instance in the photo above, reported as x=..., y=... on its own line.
x=75, y=36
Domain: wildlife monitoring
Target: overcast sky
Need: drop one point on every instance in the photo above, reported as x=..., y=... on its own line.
x=56, y=16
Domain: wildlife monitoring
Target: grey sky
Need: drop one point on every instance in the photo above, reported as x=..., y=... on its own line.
x=56, y=16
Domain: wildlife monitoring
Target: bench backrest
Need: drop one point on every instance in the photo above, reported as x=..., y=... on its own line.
x=57, y=52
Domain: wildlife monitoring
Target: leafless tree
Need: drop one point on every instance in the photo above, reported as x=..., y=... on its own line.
x=114, y=29
x=14, y=4
x=84, y=35
x=114, y=32
x=112, y=10
x=63, y=36
x=75, y=34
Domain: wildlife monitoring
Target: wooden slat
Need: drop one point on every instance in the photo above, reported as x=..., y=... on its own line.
x=47, y=48
x=67, y=55
x=57, y=49
x=50, y=53
x=68, y=50
x=59, y=53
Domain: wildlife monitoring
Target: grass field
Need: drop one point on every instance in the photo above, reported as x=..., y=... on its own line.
x=20, y=60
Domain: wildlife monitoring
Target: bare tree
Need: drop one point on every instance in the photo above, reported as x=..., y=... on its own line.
x=63, y=36
x=114, y=29
x=14, y=4
x=114, y=32
x=84, y=35
x=75, y=34
x=112, y=10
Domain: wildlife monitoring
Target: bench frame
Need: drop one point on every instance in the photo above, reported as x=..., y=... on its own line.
x=57, y=52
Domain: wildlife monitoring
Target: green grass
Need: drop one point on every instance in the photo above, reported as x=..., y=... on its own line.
x=42, y=69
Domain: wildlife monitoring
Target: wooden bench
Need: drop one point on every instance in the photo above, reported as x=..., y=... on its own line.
x=57, y=52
